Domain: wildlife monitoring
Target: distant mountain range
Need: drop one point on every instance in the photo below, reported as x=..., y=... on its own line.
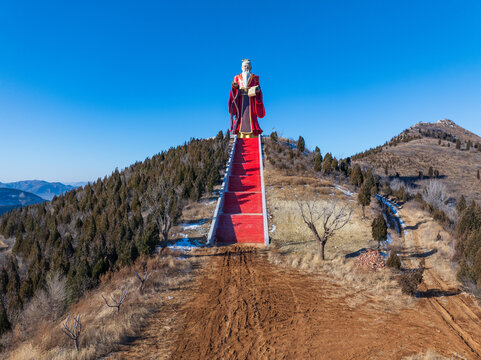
x=44, y=189
x=13, y=198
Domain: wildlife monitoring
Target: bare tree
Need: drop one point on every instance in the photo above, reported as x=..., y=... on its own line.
x=165, y=203
x=123, y=294
x=435, y=194
x=143, y=278
x=330, y=215
x=73, y=332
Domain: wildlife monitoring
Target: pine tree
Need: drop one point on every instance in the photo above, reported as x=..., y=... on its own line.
x=301, y=145
x=327, y=164
x=343, y=166
x=477, y=175
x=3, y=281
x=14, y=302
x=356, y=175
x=369, y=181
x=334, y=164
x=317, y=162
x=379, y=229
x=393, y=260
x=431, y=172
x=4, y=323
x=364, y=197
x=458, y=144
x=274, y=137
x=461, y=205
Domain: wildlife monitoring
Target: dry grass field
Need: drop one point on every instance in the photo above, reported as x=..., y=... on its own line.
x=294, y=245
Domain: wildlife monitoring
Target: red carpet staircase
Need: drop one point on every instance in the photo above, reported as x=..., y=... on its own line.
x=240, y=215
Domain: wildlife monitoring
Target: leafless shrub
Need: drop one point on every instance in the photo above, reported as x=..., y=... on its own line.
x=74, y=331
x=396, y=184
x=46, y=305
x=435, y=194
x=57, y=293
x=165, y=205
x=331, y=215
x=116, y=303
x=143, y=278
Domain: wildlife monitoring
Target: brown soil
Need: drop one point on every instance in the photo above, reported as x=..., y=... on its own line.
x=459, y=310
x=244, y=307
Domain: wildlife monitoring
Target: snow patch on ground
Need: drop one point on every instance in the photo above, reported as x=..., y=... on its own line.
x=273, y=228
x=185, y=244
x=193, y=226
x=344, y=191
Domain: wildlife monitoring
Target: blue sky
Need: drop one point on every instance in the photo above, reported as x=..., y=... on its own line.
x=89, y=86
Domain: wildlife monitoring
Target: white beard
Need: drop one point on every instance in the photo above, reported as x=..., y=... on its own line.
x=245, y=77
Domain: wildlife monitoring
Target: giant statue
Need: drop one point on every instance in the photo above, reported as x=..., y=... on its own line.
x=245, y=103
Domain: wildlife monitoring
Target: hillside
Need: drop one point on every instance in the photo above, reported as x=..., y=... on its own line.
x=106, y=225
x=247, y=302
x=46, y=190
x=453, y=153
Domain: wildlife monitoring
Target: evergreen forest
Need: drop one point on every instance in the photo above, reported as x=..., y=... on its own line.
x=106, y=224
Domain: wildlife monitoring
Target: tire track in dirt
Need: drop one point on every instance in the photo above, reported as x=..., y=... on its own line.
x=453, y=309
x=241, y=306
x=233, y=328
x=248, y=308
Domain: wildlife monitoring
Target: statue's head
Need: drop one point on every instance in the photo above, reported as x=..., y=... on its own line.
x=246, y=65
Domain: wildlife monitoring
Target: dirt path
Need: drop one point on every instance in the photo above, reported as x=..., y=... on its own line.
x=458, y=310
x=246, y=308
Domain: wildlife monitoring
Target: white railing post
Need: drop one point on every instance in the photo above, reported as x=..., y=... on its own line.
x=220, y=200
x=263, y=188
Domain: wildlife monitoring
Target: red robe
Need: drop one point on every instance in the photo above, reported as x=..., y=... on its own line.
x=255, y=106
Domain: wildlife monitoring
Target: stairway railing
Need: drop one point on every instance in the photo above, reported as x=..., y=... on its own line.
x=263, y=189
x=220, y=200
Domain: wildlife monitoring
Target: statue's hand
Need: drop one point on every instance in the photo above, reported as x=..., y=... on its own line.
x=235, y=85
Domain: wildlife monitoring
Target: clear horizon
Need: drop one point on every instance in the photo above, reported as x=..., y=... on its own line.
x=86, y=88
